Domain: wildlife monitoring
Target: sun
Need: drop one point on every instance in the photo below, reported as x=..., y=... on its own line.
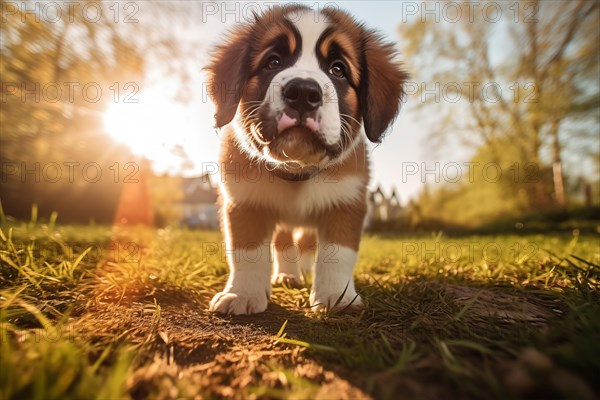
x=151, y=126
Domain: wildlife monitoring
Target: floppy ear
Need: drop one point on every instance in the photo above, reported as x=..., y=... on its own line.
x=227, y=74
x=382, y=86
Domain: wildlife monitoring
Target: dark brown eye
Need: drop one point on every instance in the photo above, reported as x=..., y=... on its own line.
x=274, y=62
x=337, y=69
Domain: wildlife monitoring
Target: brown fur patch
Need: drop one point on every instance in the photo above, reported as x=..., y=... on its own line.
x=342, y=225
x=382, y=89
x=246, y=226
x=307, y=242
x=349, y=48
x=283, y=238
x=356, y=164
x=227, y=76
x=351, y=99
x=292, y=41
x=278, y=30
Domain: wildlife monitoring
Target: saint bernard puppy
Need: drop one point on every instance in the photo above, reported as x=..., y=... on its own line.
x=297, y=91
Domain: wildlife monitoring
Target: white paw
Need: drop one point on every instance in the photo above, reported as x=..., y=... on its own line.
x=333, y=277
x=329, y=301
x=286, y=279
x=238, y=304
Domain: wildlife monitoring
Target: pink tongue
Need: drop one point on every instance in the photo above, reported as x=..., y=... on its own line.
x=312, y=124
x=285, y=122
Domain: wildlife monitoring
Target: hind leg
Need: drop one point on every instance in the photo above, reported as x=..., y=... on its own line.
x=285, y=259
x=307, y=246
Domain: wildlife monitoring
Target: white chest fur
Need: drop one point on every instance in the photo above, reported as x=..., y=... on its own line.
x=295, y=201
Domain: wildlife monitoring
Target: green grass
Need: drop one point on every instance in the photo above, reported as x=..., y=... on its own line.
x=97, y=312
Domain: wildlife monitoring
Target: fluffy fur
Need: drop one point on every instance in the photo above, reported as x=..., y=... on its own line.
x=293, y=91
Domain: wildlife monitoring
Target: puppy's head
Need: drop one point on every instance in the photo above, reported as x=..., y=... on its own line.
x=301, y=82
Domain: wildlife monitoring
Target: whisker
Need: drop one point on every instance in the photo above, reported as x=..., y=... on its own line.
x=346, y=131
x=351, y=118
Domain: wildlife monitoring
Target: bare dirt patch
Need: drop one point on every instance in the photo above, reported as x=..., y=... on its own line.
x=508, y=306
x=213, y=355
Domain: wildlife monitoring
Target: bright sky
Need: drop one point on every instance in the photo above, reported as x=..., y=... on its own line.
x=190, y=125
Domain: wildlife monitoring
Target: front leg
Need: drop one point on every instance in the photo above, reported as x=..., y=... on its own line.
x=247, y=240
x=339, y=237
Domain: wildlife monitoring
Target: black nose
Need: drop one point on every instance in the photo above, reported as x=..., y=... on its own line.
x=303, y=94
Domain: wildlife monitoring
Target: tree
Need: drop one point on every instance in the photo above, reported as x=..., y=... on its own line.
x=528, y=83
x=61, y=63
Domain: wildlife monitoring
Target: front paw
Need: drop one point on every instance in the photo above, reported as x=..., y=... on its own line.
x=238, y=304
x=326, y=301
x=290, y=280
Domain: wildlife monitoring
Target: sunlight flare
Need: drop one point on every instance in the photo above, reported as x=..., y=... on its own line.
x=152, y=126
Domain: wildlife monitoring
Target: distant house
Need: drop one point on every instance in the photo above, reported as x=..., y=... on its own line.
x=395, y=209
x=382, y=208
x=199, y=203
